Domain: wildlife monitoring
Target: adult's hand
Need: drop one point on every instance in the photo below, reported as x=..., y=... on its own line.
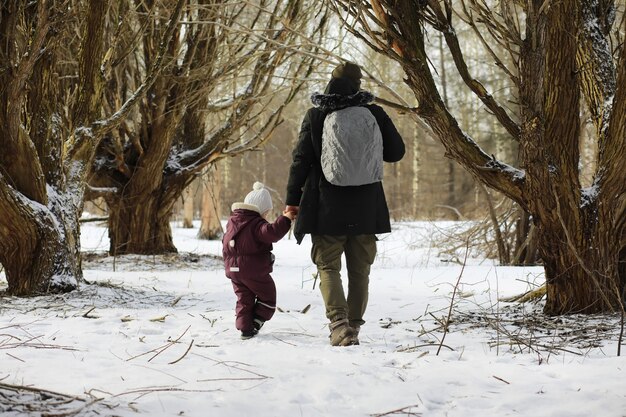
x=292, y=209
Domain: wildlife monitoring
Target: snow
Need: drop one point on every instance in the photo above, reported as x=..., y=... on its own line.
x=155, y=336
x=590, y=194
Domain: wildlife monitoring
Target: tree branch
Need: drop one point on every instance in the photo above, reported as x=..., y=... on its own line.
x=90, y=136
x=474, y=85
x=407, y=37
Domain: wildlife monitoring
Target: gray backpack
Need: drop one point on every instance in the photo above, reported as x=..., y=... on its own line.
x=352, y=147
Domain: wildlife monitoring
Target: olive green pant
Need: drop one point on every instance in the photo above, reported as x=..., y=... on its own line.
x=360, y=251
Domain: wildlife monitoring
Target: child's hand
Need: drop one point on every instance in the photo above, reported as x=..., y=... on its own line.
x=293, y=209
x=289, y=214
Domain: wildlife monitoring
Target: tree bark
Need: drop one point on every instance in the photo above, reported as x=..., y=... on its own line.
x=141, y=225
x=211, y=225
x=171, y=141
x=525, y=248
x=416, y=173
x=188, y=197
x=40, y=192
x=579, y=232
x=39, y=249
x=577, y=248
x=50, y=127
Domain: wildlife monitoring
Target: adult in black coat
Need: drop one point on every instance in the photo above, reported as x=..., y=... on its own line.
x=335, y=215
x=328, y=209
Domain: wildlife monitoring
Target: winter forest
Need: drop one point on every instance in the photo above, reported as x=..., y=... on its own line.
x=128, y=128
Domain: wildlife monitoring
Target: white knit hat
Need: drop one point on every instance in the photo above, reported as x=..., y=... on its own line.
x=260, y=197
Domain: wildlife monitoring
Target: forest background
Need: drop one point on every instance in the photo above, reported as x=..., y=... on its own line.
x=142, y=105
x=425, y=185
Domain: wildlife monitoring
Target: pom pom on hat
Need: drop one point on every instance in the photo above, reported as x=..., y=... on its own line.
x=260, y=197
x=346, y=79
x=348, y=70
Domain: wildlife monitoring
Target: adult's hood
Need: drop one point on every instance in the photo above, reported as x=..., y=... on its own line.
x=332, y=102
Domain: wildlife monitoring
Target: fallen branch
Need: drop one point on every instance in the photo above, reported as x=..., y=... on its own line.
x=160, y=349
x=528, y=296
x=87, y=316
x=454, y=291
x=232, y=379
x=184, y=354
x=46, y=402
x=405, y=411
x=39, y=345
x=410, y=349
x=500, y=379
x=227, y=364
x=281, y=340
x=150, y=390
x=169, y=345
x=536, y=333
x=15, y=357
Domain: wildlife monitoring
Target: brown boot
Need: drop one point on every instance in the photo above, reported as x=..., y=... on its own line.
x=357, y=329
x=341, y=334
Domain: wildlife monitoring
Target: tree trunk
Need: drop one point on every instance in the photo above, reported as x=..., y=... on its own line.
x=575, y=242
x=188, y=208
x=141, y=225
x=451, y=197
x=525, y=249
x=39, y=249
x=211, y=225
x=579, y=281
x=416, y=171
x=621, y=268
x=51, y=122
x=579, y=231
x=40, y=180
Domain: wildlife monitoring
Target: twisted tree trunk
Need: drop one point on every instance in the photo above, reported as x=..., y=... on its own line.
x=50, y=126
x=144, y=168
x=39, y=249
x=141, y=224
x=579, y=232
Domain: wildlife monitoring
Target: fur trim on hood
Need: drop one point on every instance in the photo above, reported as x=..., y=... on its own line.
x=245, y=206
x=332, y=102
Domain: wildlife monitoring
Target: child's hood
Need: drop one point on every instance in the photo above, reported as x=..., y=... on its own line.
x=245, y=206
x=241, y=215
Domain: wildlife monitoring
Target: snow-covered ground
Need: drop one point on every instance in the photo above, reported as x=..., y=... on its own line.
x=155, y=336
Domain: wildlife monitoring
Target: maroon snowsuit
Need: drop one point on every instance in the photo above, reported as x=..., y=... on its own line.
x=248, y=260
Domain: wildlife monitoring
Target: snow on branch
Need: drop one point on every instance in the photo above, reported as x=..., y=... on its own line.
x=15, y=204
x=494, y=165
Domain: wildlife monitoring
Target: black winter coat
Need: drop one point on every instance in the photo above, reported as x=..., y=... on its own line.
x=327, y=209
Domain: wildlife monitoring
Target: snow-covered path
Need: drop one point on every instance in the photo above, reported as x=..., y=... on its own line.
x=156, y=337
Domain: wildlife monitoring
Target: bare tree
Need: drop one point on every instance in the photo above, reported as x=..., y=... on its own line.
x=210, y=213
x=236, y=60
x=188, y=207
x=50, y=126
x=560, y=53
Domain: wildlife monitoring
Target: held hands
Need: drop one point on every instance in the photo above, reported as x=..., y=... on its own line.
x=291, y=212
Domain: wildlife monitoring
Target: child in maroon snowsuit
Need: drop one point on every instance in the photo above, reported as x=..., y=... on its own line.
x=248, y=258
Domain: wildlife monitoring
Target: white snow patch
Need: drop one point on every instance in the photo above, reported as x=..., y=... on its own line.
x=162, y=342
